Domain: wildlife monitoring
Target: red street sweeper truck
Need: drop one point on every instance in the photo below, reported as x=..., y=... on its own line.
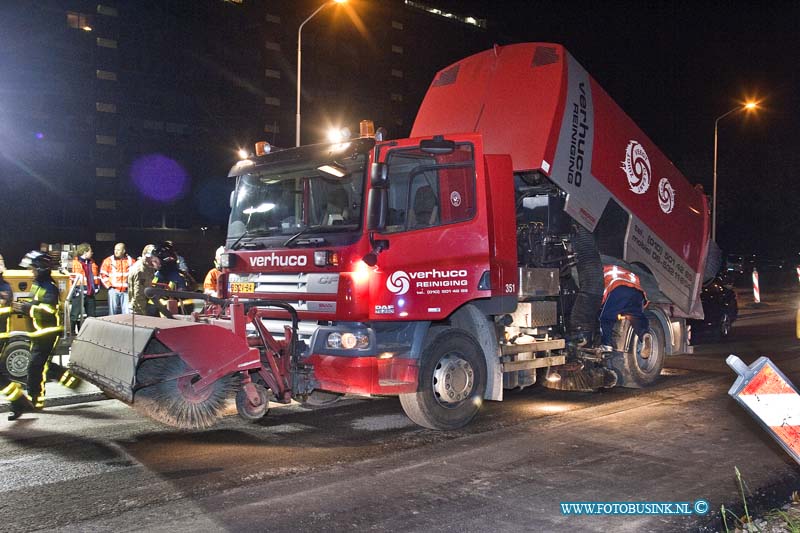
x=443, y=268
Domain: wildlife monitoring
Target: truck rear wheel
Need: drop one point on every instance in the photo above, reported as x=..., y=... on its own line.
x=635, y=367
x=15, y=359
x=452, y=382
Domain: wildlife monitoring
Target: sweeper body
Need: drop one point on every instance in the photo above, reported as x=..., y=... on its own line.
x=443, y=268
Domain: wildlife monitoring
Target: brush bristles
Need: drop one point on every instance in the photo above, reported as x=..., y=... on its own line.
x=165, y=403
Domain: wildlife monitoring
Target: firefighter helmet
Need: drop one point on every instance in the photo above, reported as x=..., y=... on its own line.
x=38, y=261
x=166, y=252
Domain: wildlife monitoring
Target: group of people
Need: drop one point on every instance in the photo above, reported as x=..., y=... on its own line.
x=125, y=280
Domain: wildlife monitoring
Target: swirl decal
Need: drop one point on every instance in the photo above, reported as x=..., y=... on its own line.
x=637, y=167
x=398, y=283
x=666, y=195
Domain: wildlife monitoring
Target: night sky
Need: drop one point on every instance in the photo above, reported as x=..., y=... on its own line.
x=674, y=67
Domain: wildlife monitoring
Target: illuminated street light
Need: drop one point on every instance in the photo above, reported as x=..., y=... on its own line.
x=748, y=106
x=299, y=59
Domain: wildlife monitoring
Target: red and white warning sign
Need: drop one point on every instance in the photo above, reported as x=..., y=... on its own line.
x=771, y=398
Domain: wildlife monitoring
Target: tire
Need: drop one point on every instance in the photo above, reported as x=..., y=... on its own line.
x=452, y=382
x=246, y=409
x=15, y=360
x=634, y=369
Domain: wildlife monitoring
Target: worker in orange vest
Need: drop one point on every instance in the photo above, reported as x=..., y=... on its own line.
x=210, y=283
x=623, y=295
x=114, y=275
x=87, y=278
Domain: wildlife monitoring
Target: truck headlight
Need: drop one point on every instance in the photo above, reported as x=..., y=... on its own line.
x=347, y=341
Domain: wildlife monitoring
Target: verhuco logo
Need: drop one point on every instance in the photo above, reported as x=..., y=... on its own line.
x=666, y=195
x=398, y=283
x=637, y=167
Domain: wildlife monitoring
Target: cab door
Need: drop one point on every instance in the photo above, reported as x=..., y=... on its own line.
x=435, y=227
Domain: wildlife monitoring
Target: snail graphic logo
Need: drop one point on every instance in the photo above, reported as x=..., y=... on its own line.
x=666, y=195
x=398, y=283
x=637, y=167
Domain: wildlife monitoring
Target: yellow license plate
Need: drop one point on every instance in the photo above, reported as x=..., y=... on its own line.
x=243, y=287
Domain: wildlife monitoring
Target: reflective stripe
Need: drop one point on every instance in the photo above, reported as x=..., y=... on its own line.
x=9, y=387
x=45, y=331
x=15, y=395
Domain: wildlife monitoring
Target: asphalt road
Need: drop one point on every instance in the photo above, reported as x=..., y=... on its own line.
x=361, y=465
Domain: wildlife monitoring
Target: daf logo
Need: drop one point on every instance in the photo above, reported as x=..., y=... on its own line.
x=327, y=280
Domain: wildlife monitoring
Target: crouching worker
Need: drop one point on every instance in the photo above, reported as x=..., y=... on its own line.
x=43, y=308
x=623, y=295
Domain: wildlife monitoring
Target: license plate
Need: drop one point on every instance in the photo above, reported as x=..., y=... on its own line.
x=243, y=287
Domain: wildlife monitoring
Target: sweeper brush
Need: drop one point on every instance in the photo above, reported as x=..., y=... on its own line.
x=180, y=372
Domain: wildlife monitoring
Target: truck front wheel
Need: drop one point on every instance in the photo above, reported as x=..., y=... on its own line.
x=452, y=382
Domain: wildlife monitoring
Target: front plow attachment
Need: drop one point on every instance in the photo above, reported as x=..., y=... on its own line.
x=178, y=372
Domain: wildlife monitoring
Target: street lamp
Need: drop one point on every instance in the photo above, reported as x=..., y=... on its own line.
x=299, y=30
x=748, y=106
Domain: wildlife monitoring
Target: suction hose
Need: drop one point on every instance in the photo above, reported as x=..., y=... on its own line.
x=583, y=317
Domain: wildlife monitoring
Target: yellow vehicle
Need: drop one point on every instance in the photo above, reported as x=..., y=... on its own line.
x=16, y=354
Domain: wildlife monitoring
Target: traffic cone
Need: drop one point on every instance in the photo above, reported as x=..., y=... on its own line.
x=770, y=398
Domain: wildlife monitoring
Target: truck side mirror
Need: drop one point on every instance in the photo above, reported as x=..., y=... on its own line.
x=377, y=209
x=379, y=176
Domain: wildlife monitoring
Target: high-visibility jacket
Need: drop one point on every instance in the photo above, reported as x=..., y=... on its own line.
x=210, y=283
x=45, y=309
x=615, y=276
x=114, y=272
x=80, y=274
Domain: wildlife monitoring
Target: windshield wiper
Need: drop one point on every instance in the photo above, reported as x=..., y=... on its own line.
x=318, y=229
x=249, y=233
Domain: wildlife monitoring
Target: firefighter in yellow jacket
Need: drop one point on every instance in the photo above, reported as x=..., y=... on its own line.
x=43, y=308
x=10, y=389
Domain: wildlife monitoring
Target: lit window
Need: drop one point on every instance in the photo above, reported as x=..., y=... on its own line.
x=272, y=128
x=105, y=237
x=396, y=97
x=397, y=49
x=106, y=43
x=79, y=21
x=397, y=73
x=272, y=73
x=269, y=45
x=110, y=140
x=273, y=18
x=105, y=172
x=105, y=204
x=107, y=11
x=397, y=25
x=271, y=100
x=104, y=107
x=106, y=75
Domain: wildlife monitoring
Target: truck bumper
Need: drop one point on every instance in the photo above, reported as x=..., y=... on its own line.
x=364, y=375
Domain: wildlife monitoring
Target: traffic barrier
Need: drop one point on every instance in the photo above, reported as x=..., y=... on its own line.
x=756, y=290
x=770, y=398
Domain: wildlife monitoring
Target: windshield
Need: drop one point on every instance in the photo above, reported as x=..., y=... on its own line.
x=308, y=195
